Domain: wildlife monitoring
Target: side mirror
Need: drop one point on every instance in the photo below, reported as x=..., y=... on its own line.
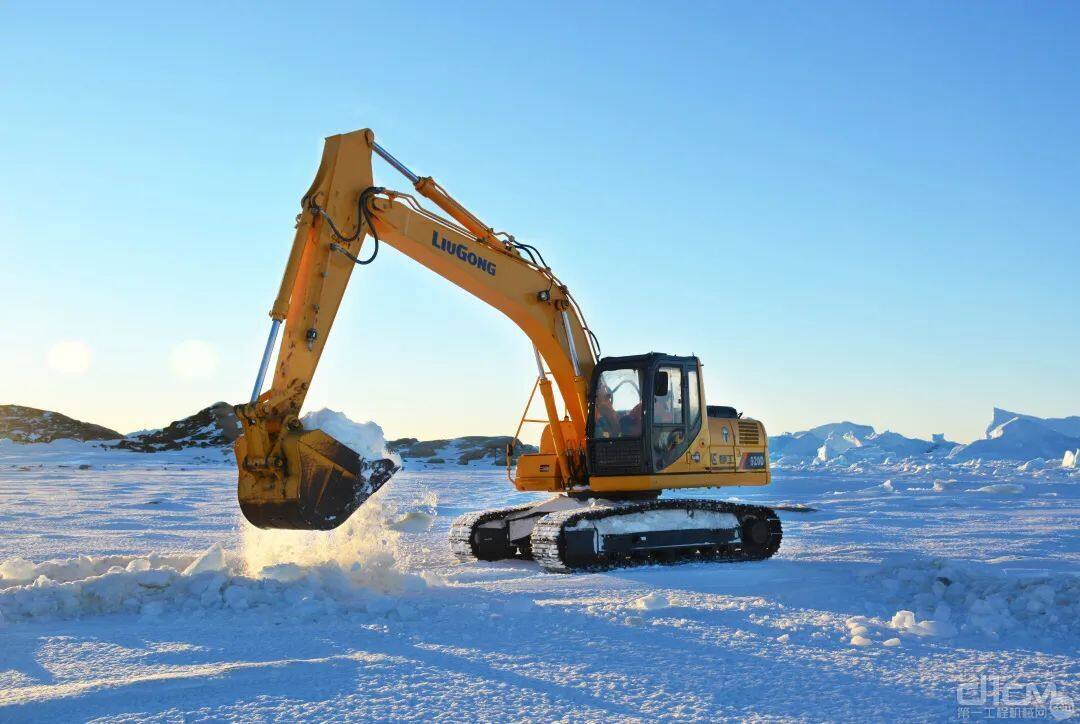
x=660, y=384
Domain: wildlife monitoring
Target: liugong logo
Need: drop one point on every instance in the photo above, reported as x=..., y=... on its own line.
x=462, y=252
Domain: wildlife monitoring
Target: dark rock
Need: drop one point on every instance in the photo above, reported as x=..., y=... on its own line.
x=214, y=426
x=400, y=444
x=29, y=424
x=467, y=449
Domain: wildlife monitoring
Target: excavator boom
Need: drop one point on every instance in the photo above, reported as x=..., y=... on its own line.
x=290, y=477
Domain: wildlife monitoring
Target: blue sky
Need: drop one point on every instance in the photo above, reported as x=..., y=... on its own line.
x=865, y=211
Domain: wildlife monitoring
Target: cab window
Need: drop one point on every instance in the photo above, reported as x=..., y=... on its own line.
x=693, y=404
x=668, y=407
x=668, y=430
x=617, y=407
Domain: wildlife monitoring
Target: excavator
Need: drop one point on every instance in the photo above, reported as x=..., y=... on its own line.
x=628, y=428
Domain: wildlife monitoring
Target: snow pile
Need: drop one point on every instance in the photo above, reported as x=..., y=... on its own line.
x=654, y=601
x=365, y=438
x=904, y=621
x=151, y=586
x=943, y=598
x=295, y=573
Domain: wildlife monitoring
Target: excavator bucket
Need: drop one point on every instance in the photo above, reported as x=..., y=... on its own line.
x=316, y=485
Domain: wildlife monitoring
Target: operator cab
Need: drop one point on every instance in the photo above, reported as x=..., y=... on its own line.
x=644, y=412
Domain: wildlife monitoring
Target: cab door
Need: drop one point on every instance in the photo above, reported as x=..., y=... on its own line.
x=668, y=433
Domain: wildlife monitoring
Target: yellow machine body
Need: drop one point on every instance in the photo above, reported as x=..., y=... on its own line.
x=292, y=478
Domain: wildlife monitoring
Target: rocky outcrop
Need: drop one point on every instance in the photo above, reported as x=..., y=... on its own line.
x=484, y=449
x=213, y=426
x=29, y=424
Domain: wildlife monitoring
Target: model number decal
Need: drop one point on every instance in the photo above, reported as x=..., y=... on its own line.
x=753, y=461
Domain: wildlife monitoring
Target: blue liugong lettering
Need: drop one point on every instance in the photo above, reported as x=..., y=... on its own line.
x=462, y=252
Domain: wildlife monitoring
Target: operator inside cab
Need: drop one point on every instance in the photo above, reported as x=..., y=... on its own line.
x=617, y=418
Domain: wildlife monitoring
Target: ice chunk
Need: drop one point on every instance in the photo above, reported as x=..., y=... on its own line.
x=886, y=488
x=213, y=559
x=1071, y=460
x=891, y=642
x=652, y=602
x=902, y=620
x=905, y=621
x=16, y=570
x=859, y=641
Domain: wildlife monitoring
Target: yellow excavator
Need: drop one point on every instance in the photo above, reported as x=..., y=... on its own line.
x=628, y=427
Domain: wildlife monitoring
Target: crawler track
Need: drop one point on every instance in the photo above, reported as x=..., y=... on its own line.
x=759, y=528
x=462, y=538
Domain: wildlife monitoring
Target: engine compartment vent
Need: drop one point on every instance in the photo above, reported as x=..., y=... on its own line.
x=749, y=433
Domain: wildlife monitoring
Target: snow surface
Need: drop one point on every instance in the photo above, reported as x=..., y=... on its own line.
x=131, y=589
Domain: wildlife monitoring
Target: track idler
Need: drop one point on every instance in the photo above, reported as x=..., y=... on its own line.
x=315, y=483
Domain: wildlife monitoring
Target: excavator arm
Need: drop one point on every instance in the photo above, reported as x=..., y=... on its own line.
x=295, y=478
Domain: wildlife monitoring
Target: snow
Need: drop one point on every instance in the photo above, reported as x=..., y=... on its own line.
x=134, y=590
x=837, y=443
x=1001, y=488
x=652, y=602
x=1022, y=439
x=366, y=439
x=660, y=520
x=953, y=597
x=1068, y=426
